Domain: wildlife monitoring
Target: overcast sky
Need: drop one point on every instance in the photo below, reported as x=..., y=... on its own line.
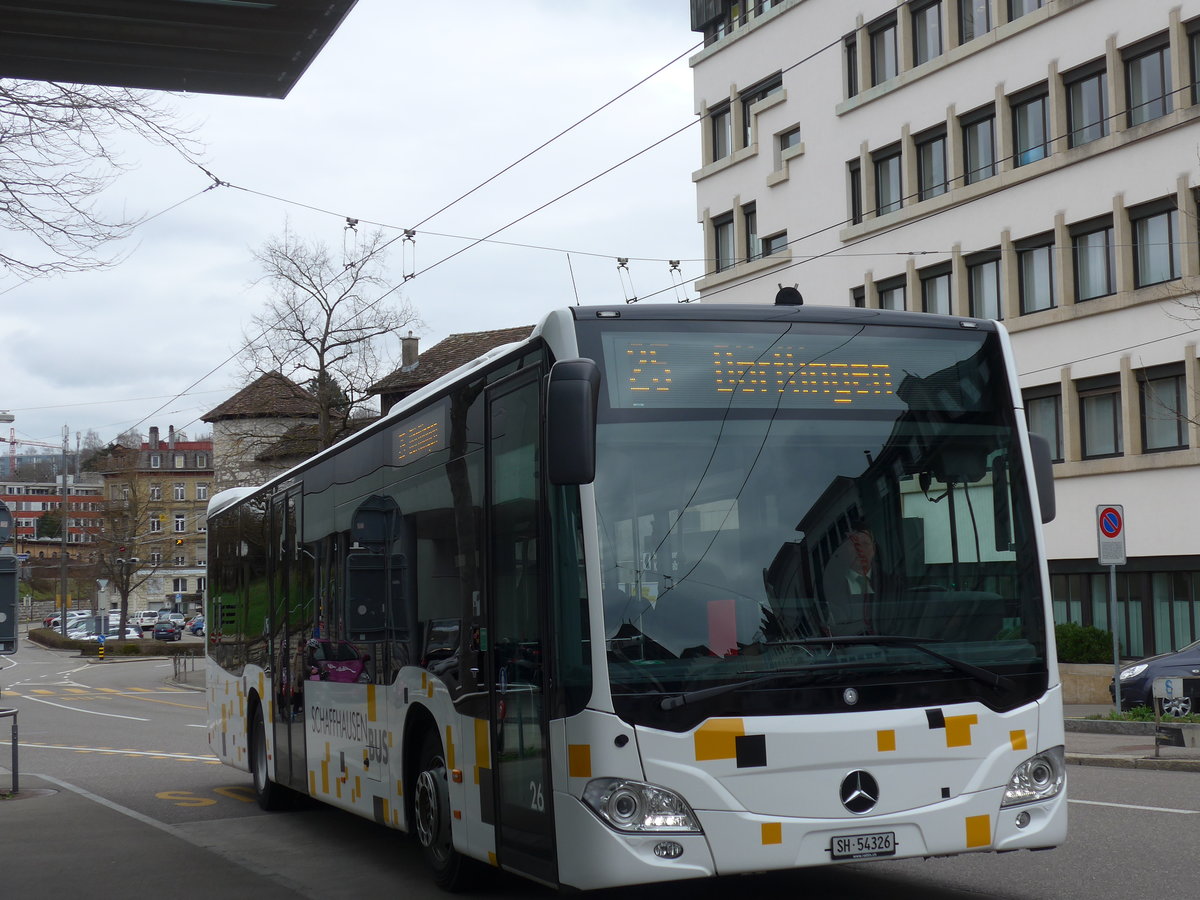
x=408, y=107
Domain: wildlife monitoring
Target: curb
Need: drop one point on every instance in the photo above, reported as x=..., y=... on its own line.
x=1133, y=762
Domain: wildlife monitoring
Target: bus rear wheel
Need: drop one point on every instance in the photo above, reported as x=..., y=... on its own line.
x=268, y=793
x=431, y=818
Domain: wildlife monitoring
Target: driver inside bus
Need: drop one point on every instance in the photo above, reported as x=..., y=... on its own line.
x=847, y=583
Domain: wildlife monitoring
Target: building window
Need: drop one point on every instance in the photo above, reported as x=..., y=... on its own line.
x=789, y=139
x=1031, y=128
x=155, y=525
x=179, y=492
x=983, y=286
x=1194, y=53
x=750, y=222
x=1035, y=273
x=1095, y=263
x=180, y=560
x=1018, y=8
x=180, y=523
x=935, y=291
x=156, y=559
x=889, y=195
x=856, y=205
x=180, y=461
x=179, y=585
x=851, y=67
x=1163, y=408
x=201, y=582
x=891, y=293
x=884, y=56
x=751, y=96
x=858, y=297
x=1155, y=246
x=1043, y=413
x=931, y=165
x=722, y=131
x=155, y=492
x=155, y=460
x=979, y=146
x=723, y=249
x=974, y=19
x=1148, y=85
x=927, y=32
x=1087, y=105
x=202, y=492
x=1100, y=416
x=774, y=243
x=201, y=460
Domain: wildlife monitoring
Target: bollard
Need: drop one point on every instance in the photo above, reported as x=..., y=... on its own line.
x=100, y=650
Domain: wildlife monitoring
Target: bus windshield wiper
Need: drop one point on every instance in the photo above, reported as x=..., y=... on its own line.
x=687, y=697
x=988, y=677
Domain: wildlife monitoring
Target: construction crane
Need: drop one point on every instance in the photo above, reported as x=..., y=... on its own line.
x=13, y=443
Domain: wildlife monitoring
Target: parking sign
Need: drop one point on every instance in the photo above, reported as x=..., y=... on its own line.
x=1110, y=534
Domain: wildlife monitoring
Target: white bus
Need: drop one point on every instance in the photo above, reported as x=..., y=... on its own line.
x=662, y=592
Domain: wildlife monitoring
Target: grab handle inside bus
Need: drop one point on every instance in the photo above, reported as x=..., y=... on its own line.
x=572, y=393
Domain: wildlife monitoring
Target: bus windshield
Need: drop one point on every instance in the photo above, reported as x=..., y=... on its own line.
x=788, y=511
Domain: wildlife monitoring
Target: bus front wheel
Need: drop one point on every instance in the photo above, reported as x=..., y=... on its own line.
x=267, y=792
x=431, y=818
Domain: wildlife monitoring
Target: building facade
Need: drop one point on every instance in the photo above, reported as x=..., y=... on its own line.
x=166, y=485
x=1033, y=161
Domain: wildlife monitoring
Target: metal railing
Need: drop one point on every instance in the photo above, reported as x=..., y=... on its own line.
x=183, y=663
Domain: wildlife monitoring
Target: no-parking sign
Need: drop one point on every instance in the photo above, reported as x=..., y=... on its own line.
x=1110, y=534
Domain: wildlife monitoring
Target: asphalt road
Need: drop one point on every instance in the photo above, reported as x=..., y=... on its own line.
x=121, y=735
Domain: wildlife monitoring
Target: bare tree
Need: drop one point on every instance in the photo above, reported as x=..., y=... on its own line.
x=328, y=323
x=59, y=150
x=127, y=550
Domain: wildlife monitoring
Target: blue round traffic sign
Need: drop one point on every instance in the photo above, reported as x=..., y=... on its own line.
x=1110, y=522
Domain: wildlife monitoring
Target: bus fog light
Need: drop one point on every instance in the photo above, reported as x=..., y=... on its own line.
x=1038, y=778
x=668, y=850
x=1023, y=818
x=634, y=806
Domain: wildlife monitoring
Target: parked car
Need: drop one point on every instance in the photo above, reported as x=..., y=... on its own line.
x=177, y=617
x=166, y=630
x=145, y=619
x=52, y=620
x=1137, y=680
x=131, y=633
x=196, y=625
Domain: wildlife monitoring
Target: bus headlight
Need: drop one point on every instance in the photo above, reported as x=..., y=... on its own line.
x=634, y=806
x=1038, y=778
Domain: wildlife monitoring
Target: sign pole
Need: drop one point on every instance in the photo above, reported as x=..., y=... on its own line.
x=1112, y=617
x=1110, y=539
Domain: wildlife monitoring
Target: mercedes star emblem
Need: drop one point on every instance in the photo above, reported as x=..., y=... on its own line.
x=860, y=792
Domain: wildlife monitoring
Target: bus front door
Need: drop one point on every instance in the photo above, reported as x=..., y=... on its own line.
x=524, y=816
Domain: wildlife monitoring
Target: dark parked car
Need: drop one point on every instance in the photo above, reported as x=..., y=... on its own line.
x=1137, y=679
x=166, y=630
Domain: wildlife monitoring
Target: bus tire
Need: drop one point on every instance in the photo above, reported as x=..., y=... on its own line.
x=431, y=818
x=270, y=795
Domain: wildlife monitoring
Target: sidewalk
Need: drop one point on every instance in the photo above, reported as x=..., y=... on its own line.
x=1123, y=745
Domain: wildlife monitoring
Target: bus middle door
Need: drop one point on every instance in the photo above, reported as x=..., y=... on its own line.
x=517, y=625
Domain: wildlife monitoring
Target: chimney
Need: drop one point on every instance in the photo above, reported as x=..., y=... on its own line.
x=170, y=437
x=153, y=437
x=408, y=351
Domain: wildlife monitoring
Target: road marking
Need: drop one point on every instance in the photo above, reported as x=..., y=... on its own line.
x=1162, y=809
x=90, y=712
x=112, y=751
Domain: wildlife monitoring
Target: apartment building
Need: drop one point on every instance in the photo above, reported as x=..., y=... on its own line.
x=30, y=501
x=1033, y=161
x=167, y=484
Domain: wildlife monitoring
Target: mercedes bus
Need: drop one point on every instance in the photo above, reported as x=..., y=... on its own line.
x=661, y=592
